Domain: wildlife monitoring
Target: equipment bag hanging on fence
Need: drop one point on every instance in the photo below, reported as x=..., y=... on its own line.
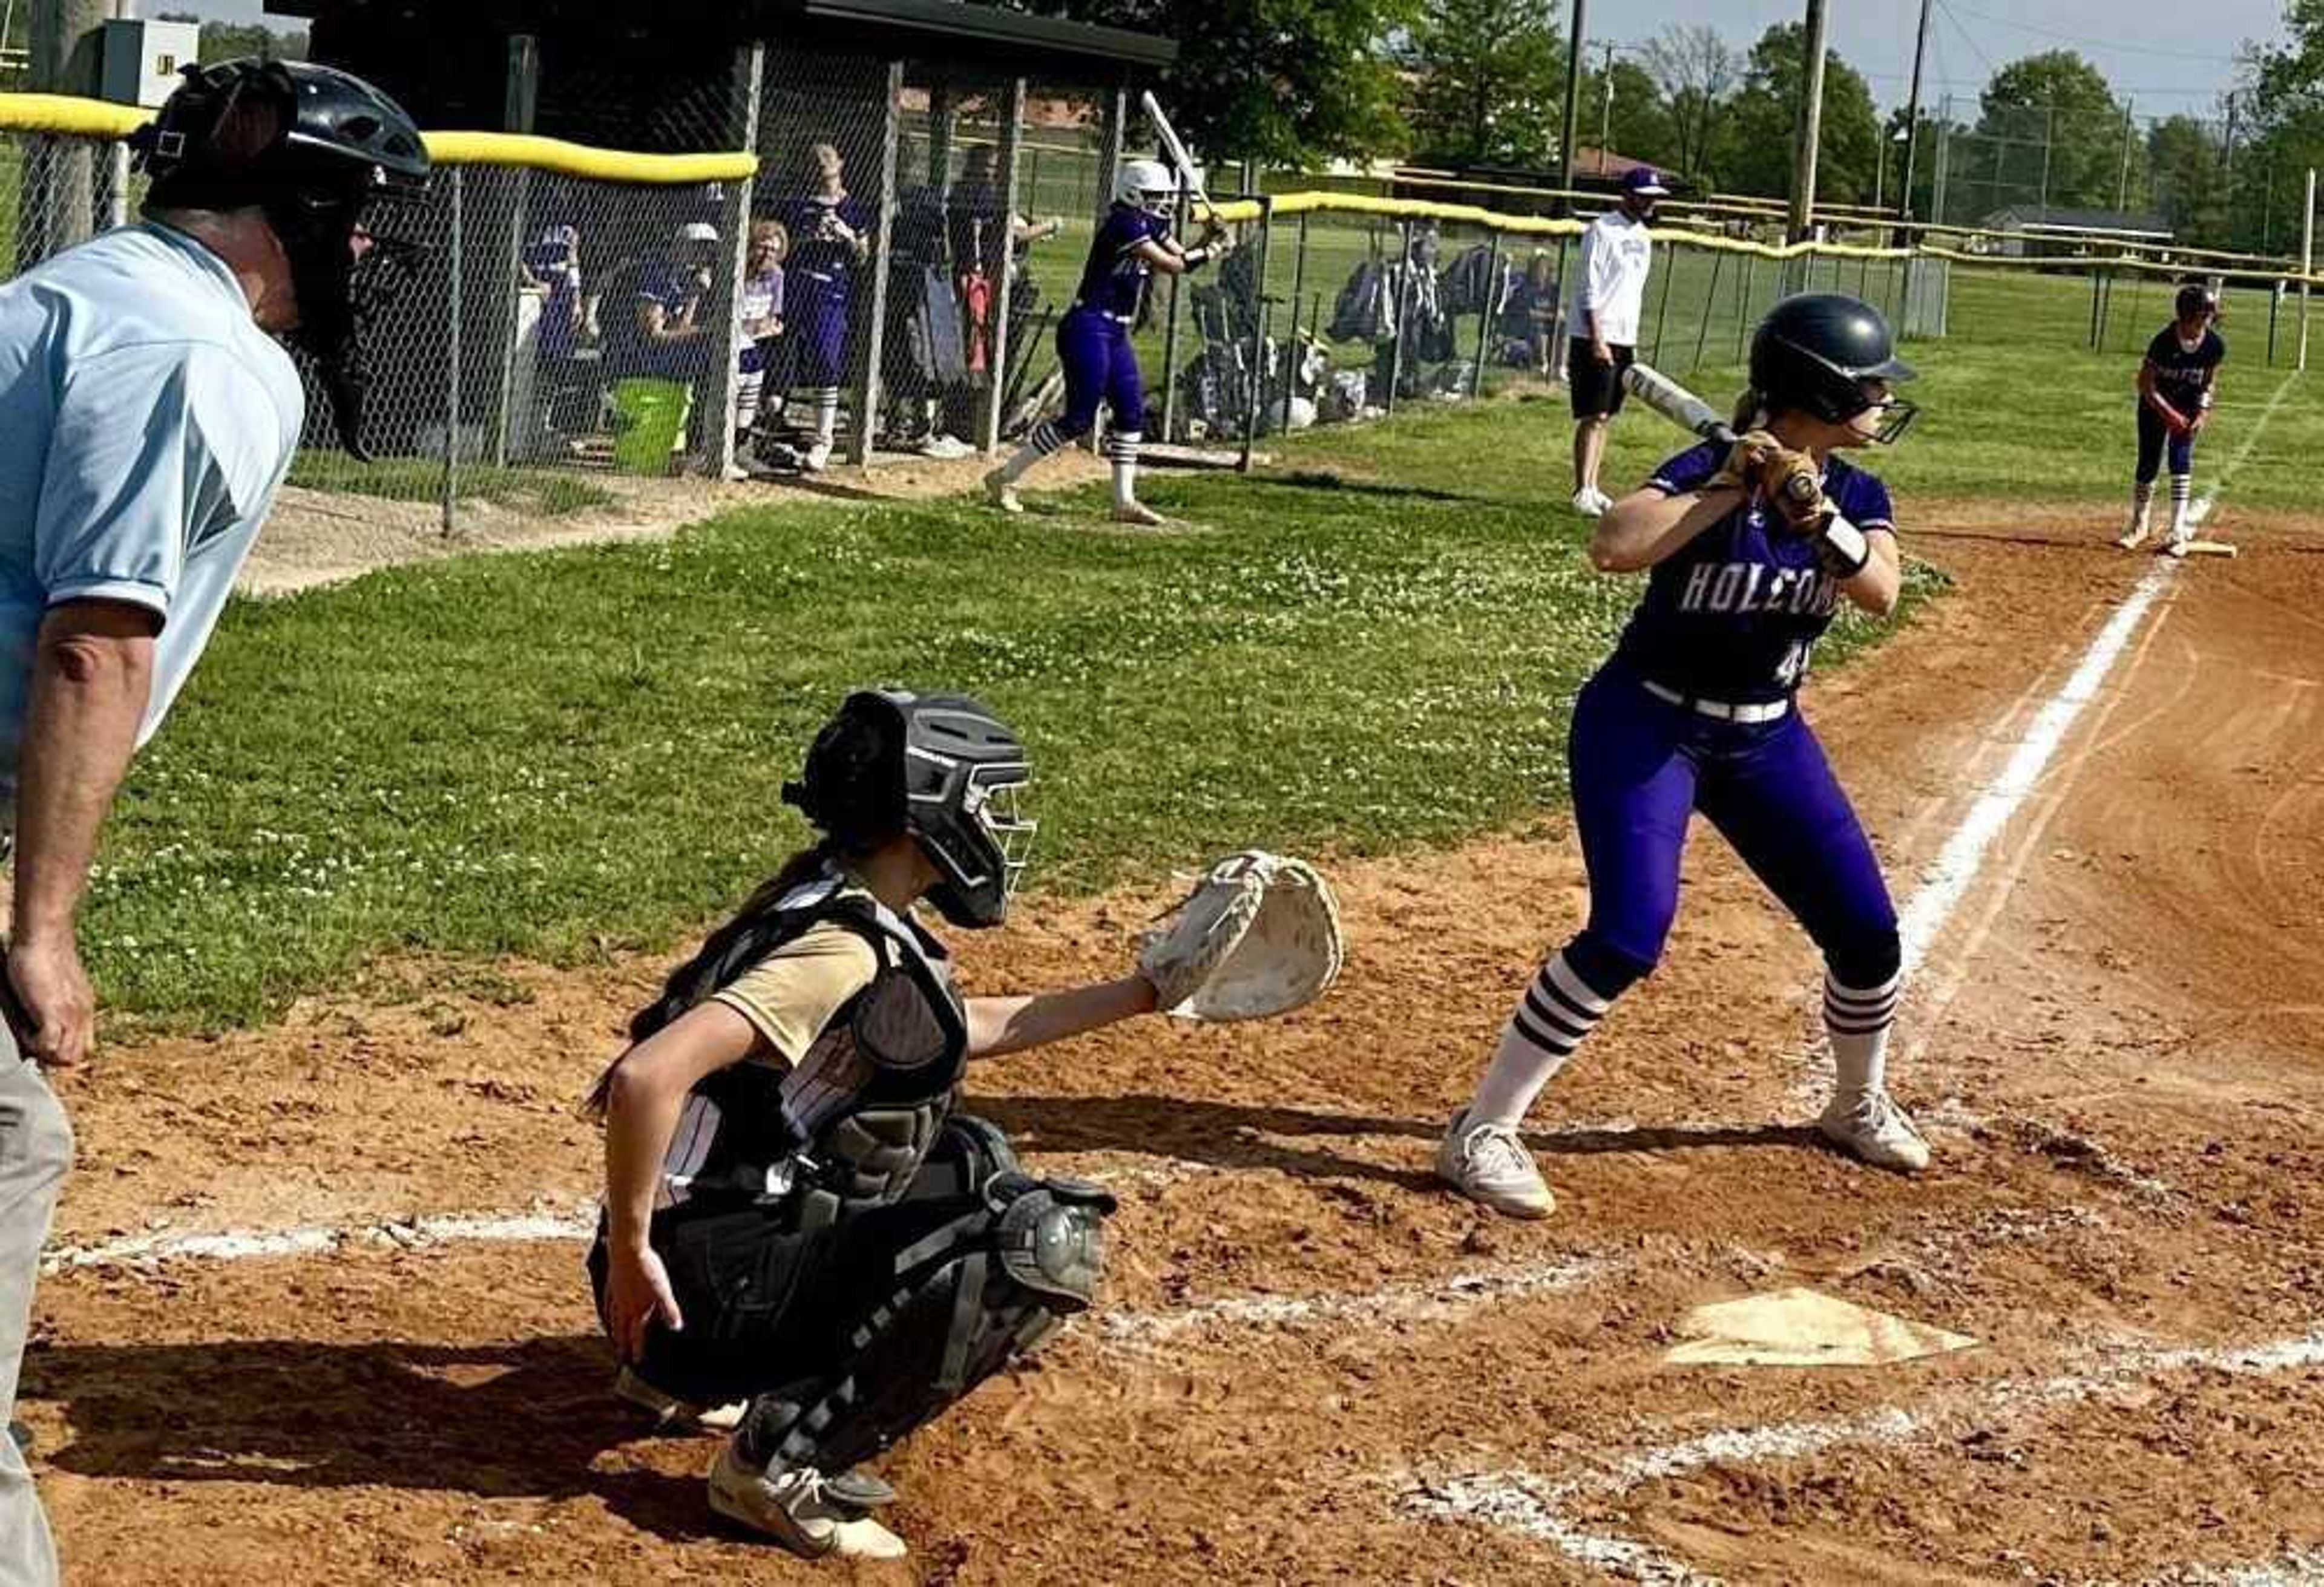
x=1366, y=309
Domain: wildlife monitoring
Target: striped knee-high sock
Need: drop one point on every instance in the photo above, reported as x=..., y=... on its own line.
x=1557, y=1011
x=1858, y=1020
x=2142, y=504
x=2182, y=487
x=1122, y=449
x=1045, y=440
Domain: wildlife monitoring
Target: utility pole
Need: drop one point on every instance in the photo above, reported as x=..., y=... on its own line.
x=1605, y=109
x=2122, y=184
x=1572, y=100
x=1803, y=169
x=1912, y=105
x=1943, y=161
x=2049, y=134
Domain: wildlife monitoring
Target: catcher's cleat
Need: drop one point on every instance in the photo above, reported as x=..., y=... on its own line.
x=1138, y=513
x=1002, y=492
x=811, y=1514
x=1490, y=1165
x=1872, y=1127
x=668, y=1410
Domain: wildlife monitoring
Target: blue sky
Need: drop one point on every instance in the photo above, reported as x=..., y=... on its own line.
x=2167, y=55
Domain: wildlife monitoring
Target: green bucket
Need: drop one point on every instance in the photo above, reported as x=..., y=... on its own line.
x=650, y=420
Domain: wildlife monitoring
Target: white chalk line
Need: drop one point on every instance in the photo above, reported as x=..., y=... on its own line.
x=1527, y=1502
x=1441, y=1301
x=541, y=1223
x=2301, y=1567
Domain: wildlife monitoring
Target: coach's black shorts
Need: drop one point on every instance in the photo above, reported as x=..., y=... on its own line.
x=1597, y=388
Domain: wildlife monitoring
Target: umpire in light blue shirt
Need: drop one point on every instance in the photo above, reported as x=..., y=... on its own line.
x=149, y=415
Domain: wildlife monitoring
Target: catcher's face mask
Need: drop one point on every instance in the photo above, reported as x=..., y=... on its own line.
x=982, y=845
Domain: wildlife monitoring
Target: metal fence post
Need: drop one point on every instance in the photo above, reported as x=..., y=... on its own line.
x=452, y=365
x=722, y=389
x=1662, y=313
x=1255, y=391
x=1403, y=318
x=867, y=382
x=1709, y=307
x=1490, y=312
x=522, y=97
x=1295, y=354
x=1746, y=280
x=996, y=356
x=1184, y=223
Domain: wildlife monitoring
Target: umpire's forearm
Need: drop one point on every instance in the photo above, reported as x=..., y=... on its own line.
x=92, y=677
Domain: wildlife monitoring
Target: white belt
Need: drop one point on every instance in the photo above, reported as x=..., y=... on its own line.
x=1745, y=712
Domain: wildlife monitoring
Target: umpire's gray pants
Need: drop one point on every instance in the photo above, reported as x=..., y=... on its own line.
x=36, y=1148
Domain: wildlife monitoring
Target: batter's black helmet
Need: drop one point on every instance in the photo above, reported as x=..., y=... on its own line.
x=316, y=150
x=1816, y=353
x=942, y=768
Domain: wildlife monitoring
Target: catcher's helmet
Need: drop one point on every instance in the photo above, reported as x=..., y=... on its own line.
x=2196, y=297
x=1148, y=185
x=1816, y=354
x=316, y=150
x=942, y=768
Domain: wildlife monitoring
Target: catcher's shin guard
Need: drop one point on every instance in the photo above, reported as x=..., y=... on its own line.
x=969, y=1297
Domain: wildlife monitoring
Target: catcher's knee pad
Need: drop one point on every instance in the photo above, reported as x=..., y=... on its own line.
x=970, y=1296
x=1874, y=959
x=1606, y=970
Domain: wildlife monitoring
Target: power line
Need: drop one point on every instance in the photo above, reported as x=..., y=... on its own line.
x=2106, y=44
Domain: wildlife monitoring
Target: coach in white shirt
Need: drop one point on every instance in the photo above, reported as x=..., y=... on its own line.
x=1610, y=290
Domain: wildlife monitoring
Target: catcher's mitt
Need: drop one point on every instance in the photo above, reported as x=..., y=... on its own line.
x=1258, y=936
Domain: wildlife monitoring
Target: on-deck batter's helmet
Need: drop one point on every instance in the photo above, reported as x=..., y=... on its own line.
x=2196, y=297
x=1819, y=351
x=942, y=768
x=317, y=151
x=1148, y=185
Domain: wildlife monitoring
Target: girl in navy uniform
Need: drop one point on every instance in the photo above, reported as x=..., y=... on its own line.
x=1101, y=366
x=1749, y=549
x=798, y=1214
x=831, y=237
x=2175, y=384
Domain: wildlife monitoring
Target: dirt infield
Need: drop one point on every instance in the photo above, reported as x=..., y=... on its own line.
x=1310, y=1367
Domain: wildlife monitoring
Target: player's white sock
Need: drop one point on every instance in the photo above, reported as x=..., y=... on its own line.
x=1045, y=440
x=1858, y=1020
x=826, y=415
x=1122, y=449
x=2182, y=486
x=1558, y=1010
x=2142, y=504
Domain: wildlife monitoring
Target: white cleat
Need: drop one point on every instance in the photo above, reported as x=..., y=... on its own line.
x=1002, y=492
x=2177, y=545
x=1872, y=1127
x=1490, y=1166
x=1139, y=514
x=1590, y=504
x=818, y=458
x=811, y=1514
x=2132, y=537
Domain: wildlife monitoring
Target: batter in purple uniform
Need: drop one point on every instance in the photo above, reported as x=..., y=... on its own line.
x=1749, y=549
x=831, y=237
x=1101, y=366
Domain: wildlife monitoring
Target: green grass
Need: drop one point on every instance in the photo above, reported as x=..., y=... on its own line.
x=545, y=493
x=552, y=753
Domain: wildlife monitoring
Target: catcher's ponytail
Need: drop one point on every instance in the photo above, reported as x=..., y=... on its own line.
x=1751, y=412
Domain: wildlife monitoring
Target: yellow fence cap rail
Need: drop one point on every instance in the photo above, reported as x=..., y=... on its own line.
x=66, y=116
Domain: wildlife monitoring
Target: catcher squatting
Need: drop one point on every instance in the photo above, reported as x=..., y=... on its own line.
x=801, y=1227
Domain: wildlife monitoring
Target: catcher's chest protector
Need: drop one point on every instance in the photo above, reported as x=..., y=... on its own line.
x=848, y=1126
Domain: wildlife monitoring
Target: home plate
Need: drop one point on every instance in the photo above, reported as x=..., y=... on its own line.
x=1801, y=1328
